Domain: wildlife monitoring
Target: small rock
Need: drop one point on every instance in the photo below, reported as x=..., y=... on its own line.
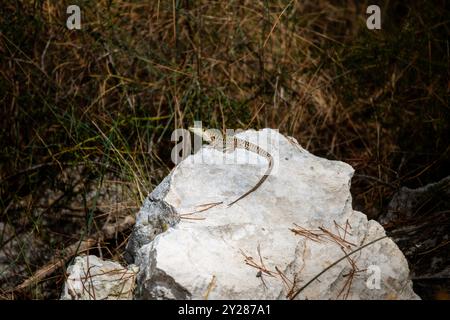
x=91, y=278
x=419, y=221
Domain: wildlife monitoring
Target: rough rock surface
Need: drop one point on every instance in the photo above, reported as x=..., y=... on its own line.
x=269, y=244
x=419, y=221
x=91, y=278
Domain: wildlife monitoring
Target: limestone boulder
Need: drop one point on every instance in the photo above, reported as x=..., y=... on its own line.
x=276, y=243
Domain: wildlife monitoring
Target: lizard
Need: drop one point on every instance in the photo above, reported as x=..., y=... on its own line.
x=232, y=143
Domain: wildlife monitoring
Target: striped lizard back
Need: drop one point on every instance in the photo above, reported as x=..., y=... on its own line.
x=235, y=143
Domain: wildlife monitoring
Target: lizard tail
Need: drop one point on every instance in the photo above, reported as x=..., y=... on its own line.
x=260, y=182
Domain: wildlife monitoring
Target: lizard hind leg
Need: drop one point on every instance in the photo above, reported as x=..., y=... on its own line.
x=217, y=144
x=229, y=148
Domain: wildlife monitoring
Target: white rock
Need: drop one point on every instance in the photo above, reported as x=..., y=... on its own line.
x=210, y=258
x=91, y=278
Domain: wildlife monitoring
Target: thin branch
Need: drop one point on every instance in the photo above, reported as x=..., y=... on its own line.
x=108, y=232
x=333, y=264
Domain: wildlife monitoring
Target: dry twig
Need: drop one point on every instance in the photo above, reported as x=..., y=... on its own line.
x=107, y=233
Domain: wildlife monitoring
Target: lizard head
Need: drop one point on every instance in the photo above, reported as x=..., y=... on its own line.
x=206, y=135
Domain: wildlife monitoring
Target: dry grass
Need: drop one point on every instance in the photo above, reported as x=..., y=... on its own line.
x=106, y=99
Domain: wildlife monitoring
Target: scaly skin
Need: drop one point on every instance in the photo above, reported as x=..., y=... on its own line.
x=231, y=145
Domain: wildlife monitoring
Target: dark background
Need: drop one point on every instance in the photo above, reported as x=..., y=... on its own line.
x=86, y=115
